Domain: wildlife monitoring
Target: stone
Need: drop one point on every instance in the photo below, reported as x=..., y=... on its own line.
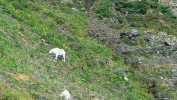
x=170, y=40
x=134, y=32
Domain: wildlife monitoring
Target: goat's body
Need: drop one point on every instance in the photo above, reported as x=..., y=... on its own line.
x=58, y=52
x=66, y=95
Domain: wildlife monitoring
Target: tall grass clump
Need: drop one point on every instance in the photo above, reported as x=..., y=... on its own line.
x=103, y=8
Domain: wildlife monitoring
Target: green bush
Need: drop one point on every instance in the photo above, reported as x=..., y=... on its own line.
x=103, y=9
x=132, y=7
x=153, y=4
x=120, y=19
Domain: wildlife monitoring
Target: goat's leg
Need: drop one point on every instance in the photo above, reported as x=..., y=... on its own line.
x=56, y=56
x=63, y=58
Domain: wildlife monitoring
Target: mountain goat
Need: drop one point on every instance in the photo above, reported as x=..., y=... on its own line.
x=58, y=52
x=66, y=95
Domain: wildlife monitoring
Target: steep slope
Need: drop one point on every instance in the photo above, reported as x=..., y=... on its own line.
x=29, y=29
x=152, y=53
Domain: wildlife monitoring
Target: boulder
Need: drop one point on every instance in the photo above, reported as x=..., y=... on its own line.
x=170, y=40
x=134, y=32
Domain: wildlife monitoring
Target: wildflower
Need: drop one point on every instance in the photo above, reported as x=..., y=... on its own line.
x=18, y=26
x=83, y=8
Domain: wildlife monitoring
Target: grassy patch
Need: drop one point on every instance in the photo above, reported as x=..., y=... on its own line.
x=29, y=29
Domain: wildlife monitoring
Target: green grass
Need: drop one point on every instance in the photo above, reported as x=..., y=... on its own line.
x=30, y=29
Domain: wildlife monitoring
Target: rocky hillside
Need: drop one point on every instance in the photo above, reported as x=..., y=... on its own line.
x=146, y=36
x=115, y=50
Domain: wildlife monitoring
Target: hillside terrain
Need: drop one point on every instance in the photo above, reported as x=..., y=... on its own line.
x=115, y=50
x=142, y=31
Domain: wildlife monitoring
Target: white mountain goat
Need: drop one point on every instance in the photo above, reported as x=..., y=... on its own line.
x=66, y=95
x=58, y=52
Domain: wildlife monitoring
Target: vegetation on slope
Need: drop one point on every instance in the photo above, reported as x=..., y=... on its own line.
x=30, y=28
x=148, y=18
x=143, y=15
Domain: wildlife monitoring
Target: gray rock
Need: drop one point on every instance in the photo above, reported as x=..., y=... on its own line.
x=174, y=47
x=134, y=32
x=170, y=40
